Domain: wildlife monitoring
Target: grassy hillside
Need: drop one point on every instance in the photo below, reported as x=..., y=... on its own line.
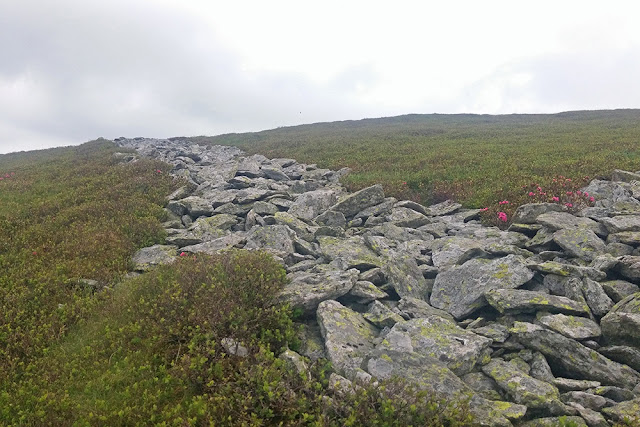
x=476, y=159
x=149, y=350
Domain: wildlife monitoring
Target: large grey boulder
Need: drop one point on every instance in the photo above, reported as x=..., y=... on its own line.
x=562, y=220
x=415, y=307
x=580, y=243
x=460, y=350
x=348, y=337
x=622, y=324
x=354, y=203
x=197, y=206
x=524, y=389
x=516, y=301
x=403, y=274
x=596, y=298
x=405, y=217
x=621, y=223
x=274, y=237
x=311, y=204
x=354, y=251
x=528, y=213
x=460, y=290
x=629, y=267
x=450, y=251
x=427, y=373
x=619, y=289
x=577, y=328
x=626, y=412
x=307, y=289
x=573, y=359
x=147, y=258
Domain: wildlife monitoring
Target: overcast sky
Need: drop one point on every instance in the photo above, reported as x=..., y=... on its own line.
x=75, y=70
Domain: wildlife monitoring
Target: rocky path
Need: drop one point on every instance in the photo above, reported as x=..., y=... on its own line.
x=535, y=323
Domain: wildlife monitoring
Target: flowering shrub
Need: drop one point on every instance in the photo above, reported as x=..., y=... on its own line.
x=560, y=190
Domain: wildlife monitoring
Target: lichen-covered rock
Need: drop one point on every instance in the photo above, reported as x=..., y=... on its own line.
x=596, y=298
x=354, y=203
x=403, y=274
x=147, y=258
x=405, y=217
x=311, y=204
x=573, y=359
x=528, y=213
x=629, y=267
x=197, y=206
x=381, y=316
x=306, y=289
x=353, y=251
x=366, y=292
x=460, y=290
x=621, y=223
x=580, y=243
x=622, y=324
x=628, y=412
x=573, y=420
x=450, y=251
x=484, y=385
x=302, y=229
x=275, y=237
x=415, y=307
x=348, y=337
x=460, y=350
x=515, y=301
x=563, y=220
x=523, y=388
x=630, y=356
x=563, y=269
x=577, y=328
x=429, y=374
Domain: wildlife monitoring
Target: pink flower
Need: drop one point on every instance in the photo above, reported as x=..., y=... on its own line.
x=34, y=253
x=531, y=193
x=569, y=193
x=158, y=171
x=502, y=216
x=592, y=199
x=579, y=193
x=555, y=199
x=183, y=254
x=586, y=194
x=569, y=205
x=484, y=209
x=404, y=182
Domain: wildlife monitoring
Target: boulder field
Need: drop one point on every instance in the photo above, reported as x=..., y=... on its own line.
x=534, y=324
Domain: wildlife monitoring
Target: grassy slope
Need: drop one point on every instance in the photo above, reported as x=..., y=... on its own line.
x=476, y=159
x=147, y=350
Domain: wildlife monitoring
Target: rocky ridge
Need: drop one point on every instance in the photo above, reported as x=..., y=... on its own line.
x=533, y=323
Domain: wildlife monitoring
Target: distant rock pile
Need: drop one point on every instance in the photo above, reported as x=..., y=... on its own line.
x=534, y=323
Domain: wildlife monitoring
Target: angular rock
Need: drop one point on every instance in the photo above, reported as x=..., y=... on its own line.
x=311, y=204
x=366, y=292
x=234, y=240
x=515, y=301
x=460, y=350
x=579, y=242
x=562, y=269
x=455, y=250
x=429, y=374
x=523, y=388
x=444, y=208
x=591, y=417
x=567, y=384
x=275, y=237
x=572, y=359
x=405, y=217
x=621, y=223
x=622, y=324
x=381, y=316
x=624, y=354
x=306, y=290
x=460, y=290
x=577, y=328
x=528, y=213
x=625, y=237
x=484, y=385
x=404, y=276
x=574, y=421
x=353, y=251
x=540, y=368
x=197, y=206
x=627, y=412
x=348, y=337
x=629, y=267
x=147, y=258
x=331, y=219
x=354, y=203
x=563, y=220
x=415, y=307
x=301, y=228
x=595, y=296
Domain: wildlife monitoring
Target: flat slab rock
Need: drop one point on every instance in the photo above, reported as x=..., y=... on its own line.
x=460, y=290
x=577, y=328
x=306, y=290
x=460, y=350
x=515, y=301
x=572, y=358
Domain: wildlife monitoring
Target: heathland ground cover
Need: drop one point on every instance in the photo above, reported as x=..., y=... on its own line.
x=149, y=350
x=478, y=160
